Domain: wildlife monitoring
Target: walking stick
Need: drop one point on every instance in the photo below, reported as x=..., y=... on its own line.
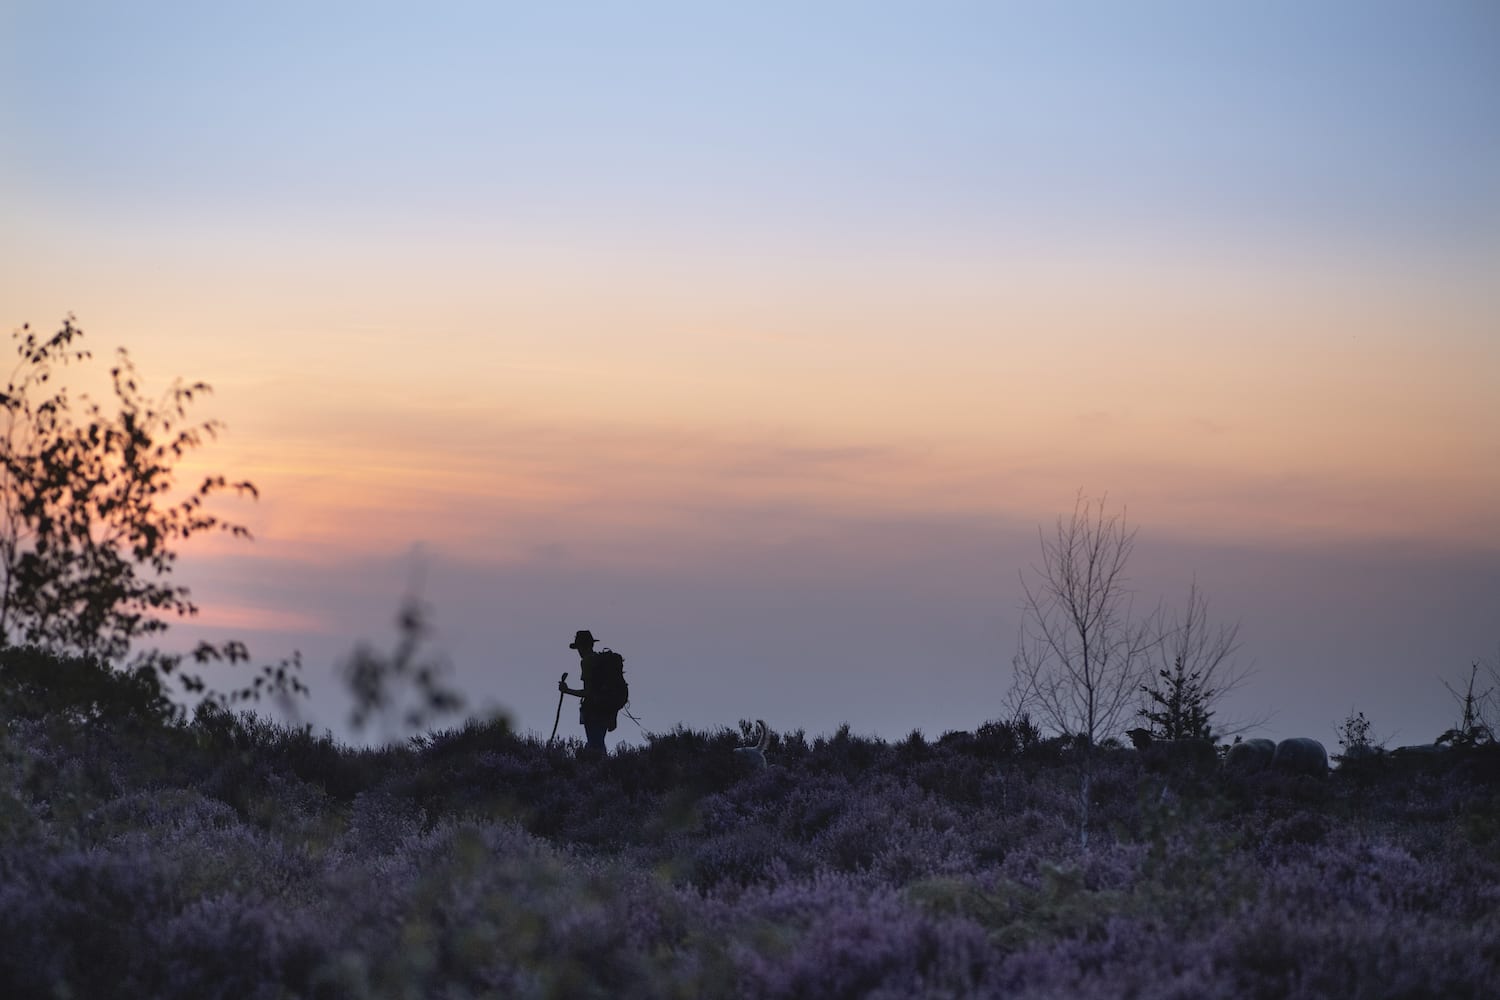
x=556, y=718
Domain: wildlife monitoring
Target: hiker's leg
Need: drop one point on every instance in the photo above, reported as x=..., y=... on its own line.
x=595, y=732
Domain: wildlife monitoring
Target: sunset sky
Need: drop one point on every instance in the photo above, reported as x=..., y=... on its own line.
x=761, y=338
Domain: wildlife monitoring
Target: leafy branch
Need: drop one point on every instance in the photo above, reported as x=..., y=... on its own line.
x=92, y=515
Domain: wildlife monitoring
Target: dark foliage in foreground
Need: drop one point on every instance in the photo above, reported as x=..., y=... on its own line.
x=91, y=516
x=235, y=858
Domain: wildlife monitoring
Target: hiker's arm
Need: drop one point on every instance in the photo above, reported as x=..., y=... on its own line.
x=563, y=687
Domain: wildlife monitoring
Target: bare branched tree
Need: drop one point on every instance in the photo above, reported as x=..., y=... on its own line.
x=1193, y=669
x=1083, y=651
x=1476, y=725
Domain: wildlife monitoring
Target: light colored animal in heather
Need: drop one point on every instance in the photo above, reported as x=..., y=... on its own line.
x=754, y=757
x=1301, y=755
x=1250, y=756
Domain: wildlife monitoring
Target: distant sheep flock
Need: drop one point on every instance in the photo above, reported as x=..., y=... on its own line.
x=1297, y=755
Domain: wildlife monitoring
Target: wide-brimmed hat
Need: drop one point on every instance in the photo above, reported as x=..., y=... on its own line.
x=582, y=637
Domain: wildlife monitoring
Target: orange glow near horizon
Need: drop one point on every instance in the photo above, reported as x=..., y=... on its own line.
x=379, y=399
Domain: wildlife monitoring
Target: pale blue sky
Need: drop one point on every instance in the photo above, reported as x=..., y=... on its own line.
x=1336, y=123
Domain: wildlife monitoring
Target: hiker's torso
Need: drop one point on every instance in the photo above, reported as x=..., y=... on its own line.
x=590, y=707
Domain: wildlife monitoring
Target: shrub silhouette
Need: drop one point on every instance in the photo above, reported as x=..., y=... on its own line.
x=35, y=684
x=405, y=688
x=91, y=516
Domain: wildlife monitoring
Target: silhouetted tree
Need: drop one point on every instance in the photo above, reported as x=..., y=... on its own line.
x=1082, y=650
x=1355, y=736
x=1474, y=727
x=1195, y=668
x=1176, y=704
x=91, y=516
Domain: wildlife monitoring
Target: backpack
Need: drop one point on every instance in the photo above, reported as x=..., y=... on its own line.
x=609, y=687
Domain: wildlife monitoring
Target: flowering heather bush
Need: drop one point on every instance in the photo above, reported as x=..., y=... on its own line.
x=837, y=937
x=229, y=857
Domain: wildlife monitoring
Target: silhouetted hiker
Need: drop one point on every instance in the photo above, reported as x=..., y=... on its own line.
x=604, y=690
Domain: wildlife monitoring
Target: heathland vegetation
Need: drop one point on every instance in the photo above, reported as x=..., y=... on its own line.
x=158, y=839
x=230, y=857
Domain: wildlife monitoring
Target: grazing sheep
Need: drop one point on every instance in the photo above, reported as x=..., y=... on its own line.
x=1250, y=756
x=1161, y=755
x=1301, y=755
x=754, y=757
